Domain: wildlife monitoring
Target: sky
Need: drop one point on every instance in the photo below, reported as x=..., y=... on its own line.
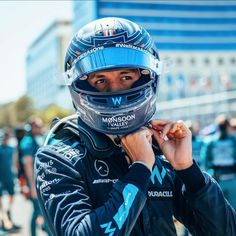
x=21, y=23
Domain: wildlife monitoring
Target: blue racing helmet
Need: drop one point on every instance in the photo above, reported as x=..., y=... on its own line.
x=112, y=44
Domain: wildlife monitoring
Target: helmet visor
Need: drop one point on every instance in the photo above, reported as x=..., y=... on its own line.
x=101, y=58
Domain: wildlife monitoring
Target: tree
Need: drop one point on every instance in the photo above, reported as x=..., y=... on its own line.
x=18, y=113
x=52, y=111
x=7, y=115
x=24, y=109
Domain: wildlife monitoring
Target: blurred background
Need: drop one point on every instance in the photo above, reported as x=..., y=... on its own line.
x=197, y=39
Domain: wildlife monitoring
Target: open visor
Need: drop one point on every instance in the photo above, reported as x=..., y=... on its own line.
x=99, y=59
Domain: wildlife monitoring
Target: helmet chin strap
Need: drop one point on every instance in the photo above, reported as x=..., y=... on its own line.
x=116, y=139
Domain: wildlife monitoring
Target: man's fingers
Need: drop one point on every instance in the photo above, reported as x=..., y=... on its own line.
x=157, y=136
x=170, y=129
x=155, y=123
x=166, y=129
x=143, y=131
x=174, y=128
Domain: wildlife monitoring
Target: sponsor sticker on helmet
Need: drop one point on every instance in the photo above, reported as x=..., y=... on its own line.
x=89, y=52
x=123, y=45
x=118, y=121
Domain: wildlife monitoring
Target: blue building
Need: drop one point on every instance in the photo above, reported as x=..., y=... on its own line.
x=44, y=65
x=198, y=38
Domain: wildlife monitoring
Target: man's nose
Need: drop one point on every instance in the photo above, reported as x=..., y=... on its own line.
x=115, y=86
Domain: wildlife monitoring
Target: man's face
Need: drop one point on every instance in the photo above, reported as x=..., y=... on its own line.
x=37, y=128
x=113, y=81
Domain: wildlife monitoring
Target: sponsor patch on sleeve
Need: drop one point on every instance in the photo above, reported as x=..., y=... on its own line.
x=71, y=151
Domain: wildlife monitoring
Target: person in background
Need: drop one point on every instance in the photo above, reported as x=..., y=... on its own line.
x=20, y=133
x=197, y=141
x=233, y=127
x=105, y=172
x=196, y=149
x=29, y=146
x=219, y=153
x=7, y=180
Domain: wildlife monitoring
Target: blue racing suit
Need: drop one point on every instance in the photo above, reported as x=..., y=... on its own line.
x=219, y=154
x=82, y=194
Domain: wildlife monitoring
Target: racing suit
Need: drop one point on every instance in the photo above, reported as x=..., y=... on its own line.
x=219, y=154
x=83, y=194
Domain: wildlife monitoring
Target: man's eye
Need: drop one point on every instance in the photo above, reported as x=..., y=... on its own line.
x=100, y=81
x=127, y=77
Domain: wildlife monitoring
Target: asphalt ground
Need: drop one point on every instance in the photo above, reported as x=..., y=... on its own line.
x=21, y=215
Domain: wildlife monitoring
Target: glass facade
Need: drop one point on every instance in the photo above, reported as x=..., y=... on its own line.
x=84, y=12
x=177, y=25
x=44, y=64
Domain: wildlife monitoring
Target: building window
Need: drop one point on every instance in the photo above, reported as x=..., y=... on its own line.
x=179, y=61
x=206, y=61
x=233, y=60
x=192, y=61
x=220, y=61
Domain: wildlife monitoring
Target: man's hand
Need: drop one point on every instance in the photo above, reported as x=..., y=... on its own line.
x=138, y=146
x=175, y=141
x=33, y=193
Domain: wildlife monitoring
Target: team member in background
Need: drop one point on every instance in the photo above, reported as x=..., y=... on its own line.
x=197, y=142
x=7, y=180
x=219, y=154
x=29, y=146
x=20, y=133
x=233, y=127
x=104, y=173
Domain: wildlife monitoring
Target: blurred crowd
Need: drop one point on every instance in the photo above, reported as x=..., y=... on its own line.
x=214, y=149
x=17, y=149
